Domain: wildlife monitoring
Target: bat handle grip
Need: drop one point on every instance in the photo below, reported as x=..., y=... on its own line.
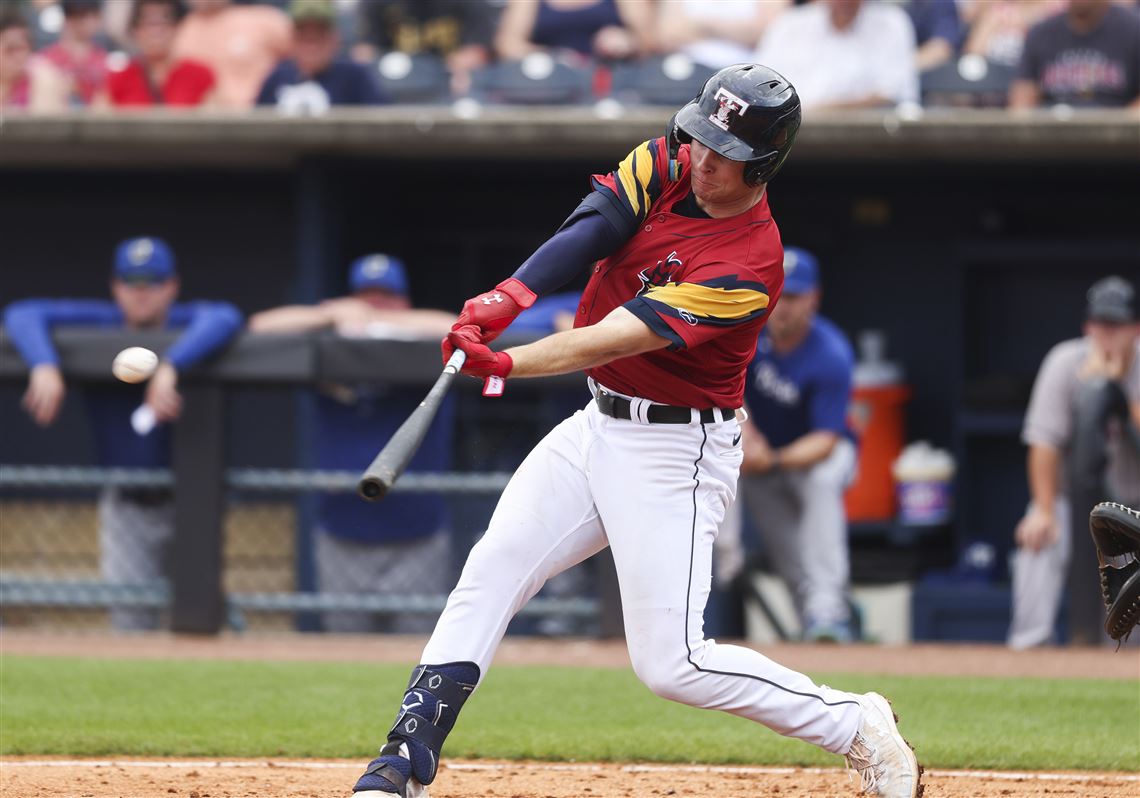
x=455, y=362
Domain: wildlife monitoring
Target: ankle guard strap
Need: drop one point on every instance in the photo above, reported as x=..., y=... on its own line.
x=386, y=770
x=428, y=712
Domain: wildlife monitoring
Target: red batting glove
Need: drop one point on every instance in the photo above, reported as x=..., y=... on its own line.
x=481, y=361
x=493, y=311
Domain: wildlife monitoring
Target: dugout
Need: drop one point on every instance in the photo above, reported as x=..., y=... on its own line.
x=969, y=239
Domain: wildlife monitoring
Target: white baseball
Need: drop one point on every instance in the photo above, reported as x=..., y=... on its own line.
x=134, y=364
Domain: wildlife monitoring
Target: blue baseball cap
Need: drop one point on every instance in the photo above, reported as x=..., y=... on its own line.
x=144, y=260
x=801, y=271
x=378, y=271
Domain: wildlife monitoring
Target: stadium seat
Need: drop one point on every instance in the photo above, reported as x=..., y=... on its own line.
x=970, y=81
x=537, y=79
x=669, y=80
x=418, y=79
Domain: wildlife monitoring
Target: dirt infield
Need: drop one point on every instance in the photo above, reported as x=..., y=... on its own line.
x=26, y=777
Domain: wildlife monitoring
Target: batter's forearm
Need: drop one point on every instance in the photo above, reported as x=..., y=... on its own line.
x=620, y=334
x=564, y=353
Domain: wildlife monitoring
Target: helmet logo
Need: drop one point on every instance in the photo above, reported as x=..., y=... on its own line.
x=727, y=104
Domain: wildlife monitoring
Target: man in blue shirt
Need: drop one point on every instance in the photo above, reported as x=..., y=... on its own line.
x=134, y=525
x=400, y=546
x=315, y=78
x=799, y=454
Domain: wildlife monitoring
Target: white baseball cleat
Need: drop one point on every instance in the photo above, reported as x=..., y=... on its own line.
x=883, y=759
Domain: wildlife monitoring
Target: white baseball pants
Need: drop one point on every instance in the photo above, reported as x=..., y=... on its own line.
x=656, y=494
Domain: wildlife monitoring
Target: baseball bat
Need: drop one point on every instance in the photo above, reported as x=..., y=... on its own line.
x=397, y=452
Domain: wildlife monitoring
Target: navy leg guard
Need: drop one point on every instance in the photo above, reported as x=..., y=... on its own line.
x=428, y=712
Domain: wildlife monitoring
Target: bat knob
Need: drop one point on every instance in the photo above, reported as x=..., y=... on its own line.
x=370, y=489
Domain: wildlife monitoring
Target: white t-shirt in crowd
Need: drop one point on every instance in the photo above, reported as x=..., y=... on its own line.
x=719, y=53
x=874, y=56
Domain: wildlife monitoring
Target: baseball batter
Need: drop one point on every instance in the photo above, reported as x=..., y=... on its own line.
x=686, y=262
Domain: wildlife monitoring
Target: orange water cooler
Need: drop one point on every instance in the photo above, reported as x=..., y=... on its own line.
x=877, y=414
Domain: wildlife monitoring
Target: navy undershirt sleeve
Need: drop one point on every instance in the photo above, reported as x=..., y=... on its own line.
x=586, y=236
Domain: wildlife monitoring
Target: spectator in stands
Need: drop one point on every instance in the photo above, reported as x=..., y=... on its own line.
x=26, y=80
x=938, y=30
x=1087, y=56
x=77, y=53
x=135, y=525
x=715, y=35
x=844, y=53
x=401, y=546
x=1083, y=432
x=458, y=31
x=116, y=23
x=799, y=454
x=316, y=77
x=610, y=30
x=154, y=76
x=45, y=21
x=998, y=27
x=240, y=43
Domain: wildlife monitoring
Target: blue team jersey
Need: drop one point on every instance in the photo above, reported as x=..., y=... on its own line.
x=208, y=327
x=352, y=425
x=807, y=389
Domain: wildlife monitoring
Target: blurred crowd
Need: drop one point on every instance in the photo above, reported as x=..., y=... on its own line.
x=304, y=56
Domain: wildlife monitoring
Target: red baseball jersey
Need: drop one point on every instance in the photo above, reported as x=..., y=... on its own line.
x=705, y=284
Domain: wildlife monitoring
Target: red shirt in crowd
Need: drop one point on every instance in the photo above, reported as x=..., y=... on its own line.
x=704, y=284
x=187, y=83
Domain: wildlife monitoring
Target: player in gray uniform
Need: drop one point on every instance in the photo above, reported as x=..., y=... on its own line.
x=1083, y=433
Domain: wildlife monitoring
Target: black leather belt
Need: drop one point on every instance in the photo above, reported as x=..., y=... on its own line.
x=619, y=407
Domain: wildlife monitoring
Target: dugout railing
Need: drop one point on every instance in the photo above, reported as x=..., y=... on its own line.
x=19, y=589
x=194, y=593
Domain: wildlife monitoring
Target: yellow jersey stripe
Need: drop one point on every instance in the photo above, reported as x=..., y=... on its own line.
x=706, y=302
x=635, y=174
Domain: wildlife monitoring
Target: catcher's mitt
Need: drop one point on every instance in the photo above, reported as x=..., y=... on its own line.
x=1116, y=531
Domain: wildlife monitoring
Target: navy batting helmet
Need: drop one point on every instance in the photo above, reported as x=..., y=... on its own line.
x=745, y=112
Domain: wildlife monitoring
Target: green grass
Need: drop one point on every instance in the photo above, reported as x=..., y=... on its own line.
x=98, y=707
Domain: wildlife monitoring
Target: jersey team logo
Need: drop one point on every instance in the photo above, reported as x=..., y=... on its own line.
x=660, y=274
x=727, y=104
